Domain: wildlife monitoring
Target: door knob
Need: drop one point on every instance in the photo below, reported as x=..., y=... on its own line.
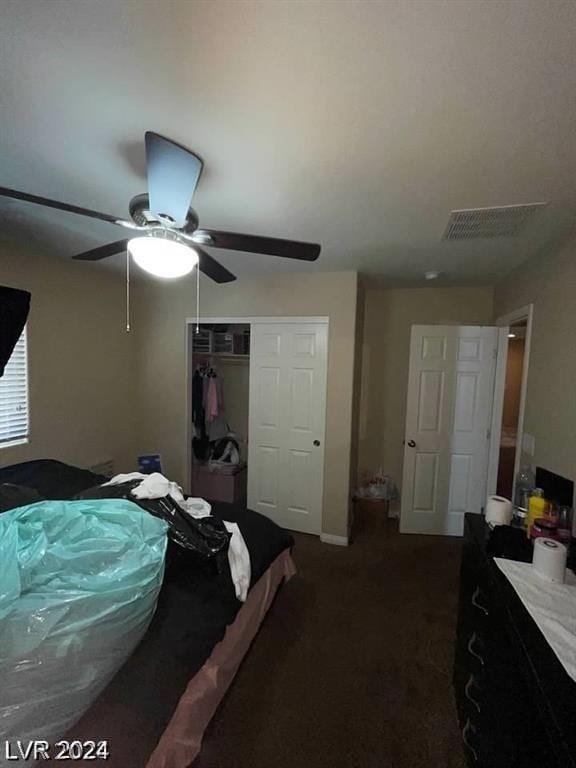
x=411, y=444
x=316, y=443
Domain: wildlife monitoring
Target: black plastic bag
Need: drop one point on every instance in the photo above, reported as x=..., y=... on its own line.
x=206, y=537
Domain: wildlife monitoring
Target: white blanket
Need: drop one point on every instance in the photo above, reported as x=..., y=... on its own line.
x=552, y=606
x=156, y=486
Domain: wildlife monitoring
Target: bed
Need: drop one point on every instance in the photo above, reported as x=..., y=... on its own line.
x=155, y=710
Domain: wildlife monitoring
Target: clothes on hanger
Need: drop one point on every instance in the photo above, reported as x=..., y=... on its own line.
x=211, y=400
x=216, y=420
x=198, y=414
x=208, y=410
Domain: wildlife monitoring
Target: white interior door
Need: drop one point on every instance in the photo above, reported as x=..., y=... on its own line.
x=448, y=417
x=288, y=364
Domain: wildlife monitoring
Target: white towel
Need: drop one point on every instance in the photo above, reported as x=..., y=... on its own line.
x=153, y=486
x=156, y=486
x=552, y=606
x=239, y=559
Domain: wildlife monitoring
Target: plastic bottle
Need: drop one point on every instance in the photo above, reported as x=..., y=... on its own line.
x=537, y=505
x=565, y=523
x=525, y=482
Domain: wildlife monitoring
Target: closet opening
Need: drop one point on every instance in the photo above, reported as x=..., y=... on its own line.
x=219, y=410
x=256, y=414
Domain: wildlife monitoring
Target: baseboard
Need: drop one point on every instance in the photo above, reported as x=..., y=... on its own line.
x=329, y=538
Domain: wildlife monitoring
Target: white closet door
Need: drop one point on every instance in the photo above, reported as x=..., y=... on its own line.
x=288, y=364
x=448, y=416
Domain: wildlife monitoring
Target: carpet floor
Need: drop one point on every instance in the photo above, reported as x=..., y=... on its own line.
x=352, y=667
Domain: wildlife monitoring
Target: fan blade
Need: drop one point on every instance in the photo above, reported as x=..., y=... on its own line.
x=212, y=268
x=47, y=203
x=102, y=252
x=272, y=246
x=173, y=174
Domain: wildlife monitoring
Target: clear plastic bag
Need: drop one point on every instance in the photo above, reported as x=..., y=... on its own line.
x=79, y=581
x=378, y=487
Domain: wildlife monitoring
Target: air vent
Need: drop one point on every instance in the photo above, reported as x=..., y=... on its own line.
x=475, y=223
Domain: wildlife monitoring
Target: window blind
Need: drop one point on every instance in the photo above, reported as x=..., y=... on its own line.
x=14, y=395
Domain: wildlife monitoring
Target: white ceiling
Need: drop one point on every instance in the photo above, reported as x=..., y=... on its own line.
x=359, y=125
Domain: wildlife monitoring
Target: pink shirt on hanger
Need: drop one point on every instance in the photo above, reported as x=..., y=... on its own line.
x=212, y=400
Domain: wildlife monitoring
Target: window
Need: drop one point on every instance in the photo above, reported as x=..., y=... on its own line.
x=14, y=396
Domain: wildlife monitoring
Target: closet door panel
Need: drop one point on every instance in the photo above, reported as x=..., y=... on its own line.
x=287, y=411
x=269, y=477
x=268, y=403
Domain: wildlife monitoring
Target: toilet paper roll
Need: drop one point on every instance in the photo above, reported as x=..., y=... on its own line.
x=498, y=510
x=549, y=559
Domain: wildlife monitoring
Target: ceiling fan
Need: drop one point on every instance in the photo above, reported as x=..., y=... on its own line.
x=165, y=237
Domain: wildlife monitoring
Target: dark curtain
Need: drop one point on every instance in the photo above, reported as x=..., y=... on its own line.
x=14, y=308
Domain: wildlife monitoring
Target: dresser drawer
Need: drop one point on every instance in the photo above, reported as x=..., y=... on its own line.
x=472, y=632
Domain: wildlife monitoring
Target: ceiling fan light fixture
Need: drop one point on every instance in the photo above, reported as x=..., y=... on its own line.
x=163, y=256
x=169, y=243
x=202, y=238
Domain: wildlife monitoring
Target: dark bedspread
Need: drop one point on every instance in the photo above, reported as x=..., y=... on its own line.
x=50, y=478
x=193, y=612
x=195, y=606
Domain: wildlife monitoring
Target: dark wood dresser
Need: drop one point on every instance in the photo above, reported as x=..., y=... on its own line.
x=516, y=703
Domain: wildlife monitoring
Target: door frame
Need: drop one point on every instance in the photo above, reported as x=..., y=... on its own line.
x=525, y=312
x=251, y=320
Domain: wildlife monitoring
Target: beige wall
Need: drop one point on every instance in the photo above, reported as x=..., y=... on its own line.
x=161, y=375
x=550, y=284
x=388, y=316
x=80, y=362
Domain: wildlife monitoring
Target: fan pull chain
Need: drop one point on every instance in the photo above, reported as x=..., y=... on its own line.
x=197, y=298
x=127, y=291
